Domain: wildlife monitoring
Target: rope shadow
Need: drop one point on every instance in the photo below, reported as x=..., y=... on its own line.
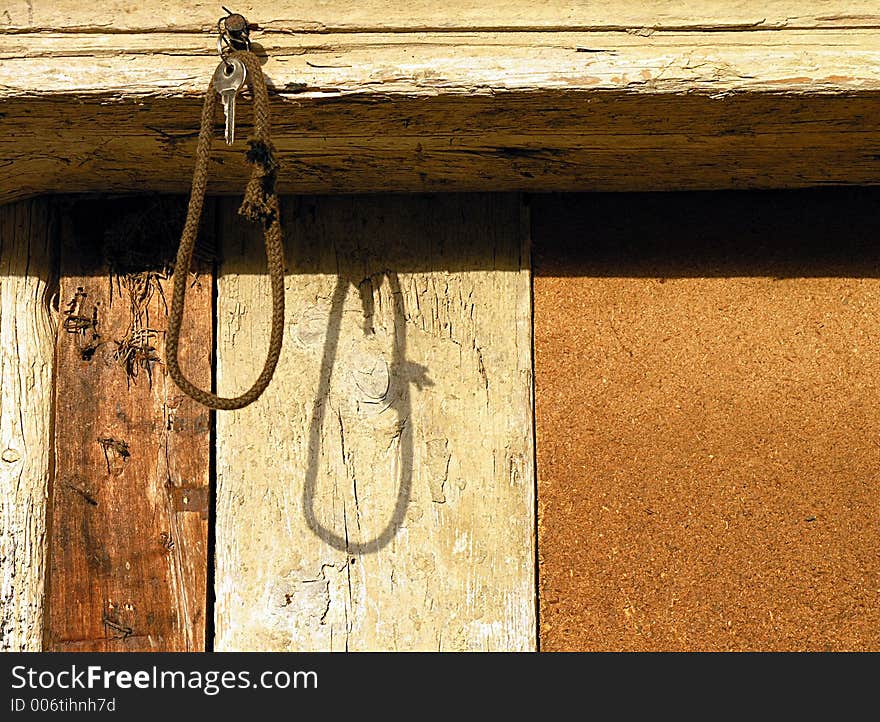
x=401, y=370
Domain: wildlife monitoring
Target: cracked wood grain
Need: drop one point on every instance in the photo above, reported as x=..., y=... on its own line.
x=380, y=494
x=26, y=340
x=128, y=544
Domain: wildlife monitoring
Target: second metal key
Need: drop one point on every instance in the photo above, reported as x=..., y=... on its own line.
x=228, y=79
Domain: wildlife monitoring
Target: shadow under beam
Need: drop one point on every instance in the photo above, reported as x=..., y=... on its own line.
x=782, y=234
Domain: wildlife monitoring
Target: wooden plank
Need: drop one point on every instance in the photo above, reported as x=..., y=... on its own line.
x=130, y=494
x=453, y=111
x=380, y=494
x=707, y=412
x=300, y=16
x=26, y=349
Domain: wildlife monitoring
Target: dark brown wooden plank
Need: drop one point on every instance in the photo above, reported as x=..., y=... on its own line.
x=707, y=409
x=130, y=498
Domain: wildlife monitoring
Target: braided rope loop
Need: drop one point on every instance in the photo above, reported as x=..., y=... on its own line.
x=260, y=205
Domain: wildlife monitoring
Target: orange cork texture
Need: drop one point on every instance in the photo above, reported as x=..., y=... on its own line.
x=708, y=420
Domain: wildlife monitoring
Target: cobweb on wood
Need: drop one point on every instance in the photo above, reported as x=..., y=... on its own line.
x=140, y=249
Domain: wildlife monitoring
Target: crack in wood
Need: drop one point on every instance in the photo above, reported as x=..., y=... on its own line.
x=124, y=631
x=82, y=492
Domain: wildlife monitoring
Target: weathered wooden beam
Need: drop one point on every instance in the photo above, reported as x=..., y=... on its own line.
x=392, y=15
x=415, y=111
x=380, y=494
x=27, y=257
x=130, y=501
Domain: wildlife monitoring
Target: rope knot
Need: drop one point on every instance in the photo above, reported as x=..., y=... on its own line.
x=260, y=202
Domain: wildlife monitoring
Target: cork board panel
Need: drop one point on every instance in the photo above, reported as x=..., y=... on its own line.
x=708, y=408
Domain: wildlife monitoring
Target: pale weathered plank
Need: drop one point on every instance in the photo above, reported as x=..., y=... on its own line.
x=130, y=503
x=122, y=67
x=380, y=494
x=453, y=111
x=26, y=349
x=344, y=16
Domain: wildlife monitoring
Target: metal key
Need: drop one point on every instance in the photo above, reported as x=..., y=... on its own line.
x=228, y=79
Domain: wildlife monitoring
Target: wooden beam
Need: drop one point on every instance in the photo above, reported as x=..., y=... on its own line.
x=419, y=110
x=302, y=16
x=380, y=494
x=130, y=494
x=27, y=244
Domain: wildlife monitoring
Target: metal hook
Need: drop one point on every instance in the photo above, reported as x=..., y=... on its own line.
x=233, y=33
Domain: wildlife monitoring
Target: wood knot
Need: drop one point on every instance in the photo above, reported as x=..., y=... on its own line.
x=10, y=456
